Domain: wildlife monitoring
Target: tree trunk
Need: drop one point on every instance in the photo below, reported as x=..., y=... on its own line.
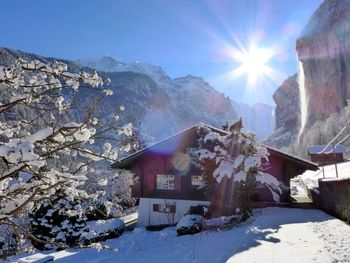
x=224, y=198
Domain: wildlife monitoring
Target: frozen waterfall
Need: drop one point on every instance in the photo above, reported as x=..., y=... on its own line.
x=303, y=100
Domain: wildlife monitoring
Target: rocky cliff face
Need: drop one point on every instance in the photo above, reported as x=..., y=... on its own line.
x=324, y=50
x=287, y=113
x=258, y=118
x=287, y=100
x=194, y=99
x=191, y=98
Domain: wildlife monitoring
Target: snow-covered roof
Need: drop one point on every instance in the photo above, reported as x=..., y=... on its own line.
x=318, y=149
x=127, y=159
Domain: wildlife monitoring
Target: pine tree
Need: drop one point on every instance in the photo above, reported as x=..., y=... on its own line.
x=230, y=162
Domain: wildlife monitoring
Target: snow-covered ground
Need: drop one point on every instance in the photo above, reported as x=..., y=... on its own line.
x=276, y=235
x=296, y=188
x=310, y=178
x=129, y=217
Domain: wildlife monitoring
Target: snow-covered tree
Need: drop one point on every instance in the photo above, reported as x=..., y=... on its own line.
x=41, y=149
x=115, y=186
x=62, y=219
x=231, y=164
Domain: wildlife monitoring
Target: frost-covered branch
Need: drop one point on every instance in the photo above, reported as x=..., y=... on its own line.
x=47, y=151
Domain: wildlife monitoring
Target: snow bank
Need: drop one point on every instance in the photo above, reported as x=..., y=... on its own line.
x=99, y=228
x=310, y=178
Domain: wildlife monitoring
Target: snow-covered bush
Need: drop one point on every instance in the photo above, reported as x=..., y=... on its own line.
x=72, y=219
x=190, y=224
x=41, y=149
x=201, y=210
x=60, y=220
x=101, y=230
x=231, y=165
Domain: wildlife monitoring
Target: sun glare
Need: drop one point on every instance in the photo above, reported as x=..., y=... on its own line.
x=253, y=63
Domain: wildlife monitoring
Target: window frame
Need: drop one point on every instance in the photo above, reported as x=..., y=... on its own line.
x=164, y=208
x=167, y=188
x=200, y=182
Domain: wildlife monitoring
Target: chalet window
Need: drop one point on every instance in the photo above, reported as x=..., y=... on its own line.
x=196, y=180
x=164, y=208
x=165, y=182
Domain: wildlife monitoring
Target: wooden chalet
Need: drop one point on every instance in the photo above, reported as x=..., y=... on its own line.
x=169, y=179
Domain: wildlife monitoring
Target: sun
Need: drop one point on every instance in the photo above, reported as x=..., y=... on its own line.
x=253, y=62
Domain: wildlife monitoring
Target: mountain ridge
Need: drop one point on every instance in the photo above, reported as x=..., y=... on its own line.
x=186, y=90
x=148, y=106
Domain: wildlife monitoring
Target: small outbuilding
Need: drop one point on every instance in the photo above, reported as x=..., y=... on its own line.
x=326, y=154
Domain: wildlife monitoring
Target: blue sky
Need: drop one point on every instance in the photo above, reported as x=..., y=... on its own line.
x=182, y=36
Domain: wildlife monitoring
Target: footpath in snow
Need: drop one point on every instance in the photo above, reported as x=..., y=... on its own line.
x=276, y=235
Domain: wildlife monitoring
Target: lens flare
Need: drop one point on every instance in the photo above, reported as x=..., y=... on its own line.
x=181, y=162
x=253, y=63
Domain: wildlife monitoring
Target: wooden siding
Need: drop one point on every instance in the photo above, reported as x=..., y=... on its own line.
x=161, y=159
x=325, y=159
x=151, y=164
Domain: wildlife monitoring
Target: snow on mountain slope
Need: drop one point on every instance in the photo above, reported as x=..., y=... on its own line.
x=110, y=64
x=194, y=93
x=161, y=105
x=192, y=99
x=153, y=101
x=258, y=118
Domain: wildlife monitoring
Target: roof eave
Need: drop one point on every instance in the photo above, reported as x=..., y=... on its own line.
x=122, y=163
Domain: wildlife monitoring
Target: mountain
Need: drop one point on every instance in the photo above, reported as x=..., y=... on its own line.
x=193, y=98
x=287, y=113
x=155, y=103
x=158, y=105
x=323, y=50
x=258, y=118
x=110, y=64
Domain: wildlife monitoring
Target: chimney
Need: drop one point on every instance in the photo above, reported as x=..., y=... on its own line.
x=225, y=126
